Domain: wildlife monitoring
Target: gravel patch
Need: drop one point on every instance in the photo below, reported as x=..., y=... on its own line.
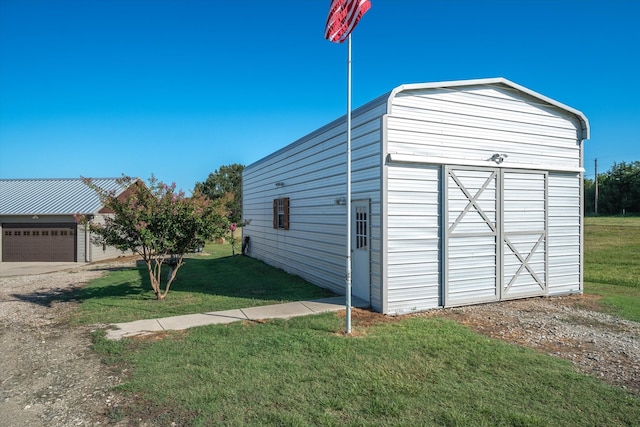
x=596, y=343
x=51, y=377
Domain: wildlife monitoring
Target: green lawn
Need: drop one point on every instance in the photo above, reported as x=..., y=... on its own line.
x=304, y=371
x=612, y=263
x=212, y=282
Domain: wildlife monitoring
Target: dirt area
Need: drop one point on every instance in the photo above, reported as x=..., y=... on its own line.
x=51, y=377
x=568, y=327
x=565, y=327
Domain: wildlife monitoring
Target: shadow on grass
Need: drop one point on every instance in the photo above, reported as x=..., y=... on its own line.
x=240, y=277
x=230, y=277
x=79, y=292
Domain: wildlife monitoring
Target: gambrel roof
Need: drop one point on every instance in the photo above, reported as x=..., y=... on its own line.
x=498, y=82
x=66, y=196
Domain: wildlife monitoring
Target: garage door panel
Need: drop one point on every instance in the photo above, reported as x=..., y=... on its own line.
x=39, y=242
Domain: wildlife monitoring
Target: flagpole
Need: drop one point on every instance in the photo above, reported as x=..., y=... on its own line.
x=342, y=19
x=348, y=275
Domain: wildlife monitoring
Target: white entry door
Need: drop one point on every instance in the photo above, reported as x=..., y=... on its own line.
x=360, y=249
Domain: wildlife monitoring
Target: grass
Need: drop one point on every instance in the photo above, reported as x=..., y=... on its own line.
x=206, y=283
x=392, y=371
x=612, y=264
x=412, y=371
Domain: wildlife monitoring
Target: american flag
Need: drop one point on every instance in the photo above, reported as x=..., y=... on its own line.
x=343, y=18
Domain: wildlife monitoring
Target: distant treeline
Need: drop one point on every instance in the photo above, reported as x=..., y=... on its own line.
x=618, y=191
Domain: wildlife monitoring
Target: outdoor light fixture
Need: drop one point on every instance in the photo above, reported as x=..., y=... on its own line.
x=35, y=217
x=341, y=201
x=498, y=158
x=279, y=184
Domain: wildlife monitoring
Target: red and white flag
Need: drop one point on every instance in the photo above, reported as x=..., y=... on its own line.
x=343, y=18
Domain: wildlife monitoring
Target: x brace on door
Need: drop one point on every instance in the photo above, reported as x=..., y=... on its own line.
x=472, y=201
x=525, y=262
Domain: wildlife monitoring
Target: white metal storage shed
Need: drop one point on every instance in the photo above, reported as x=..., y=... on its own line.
x=462, y=192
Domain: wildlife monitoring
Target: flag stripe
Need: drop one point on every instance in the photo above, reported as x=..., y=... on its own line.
x=343, y=18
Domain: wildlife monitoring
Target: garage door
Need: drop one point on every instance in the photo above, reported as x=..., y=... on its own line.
x=39, y=242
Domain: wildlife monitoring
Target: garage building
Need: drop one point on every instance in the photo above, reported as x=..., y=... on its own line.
x=38, y=224
x=462, y=192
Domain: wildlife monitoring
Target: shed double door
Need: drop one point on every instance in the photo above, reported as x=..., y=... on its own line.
x=495, y=234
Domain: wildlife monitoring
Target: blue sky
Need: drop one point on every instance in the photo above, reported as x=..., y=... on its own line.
x=178, y=88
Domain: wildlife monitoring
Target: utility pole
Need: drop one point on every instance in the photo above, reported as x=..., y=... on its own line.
x=596, y=182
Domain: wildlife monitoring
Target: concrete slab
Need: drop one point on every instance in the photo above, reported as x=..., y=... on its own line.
x=137, y=327
x=334, y=304
x=322, y=306
x=227, y=316
x=177, y=323
x=10, y=269
x=275, y=311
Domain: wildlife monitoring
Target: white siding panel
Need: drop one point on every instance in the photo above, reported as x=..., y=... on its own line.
x=413, y=239
x=474, y=123
x=313, y=171
x=564, y=234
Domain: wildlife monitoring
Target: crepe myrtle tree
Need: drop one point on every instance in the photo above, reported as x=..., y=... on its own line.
x=158, y=223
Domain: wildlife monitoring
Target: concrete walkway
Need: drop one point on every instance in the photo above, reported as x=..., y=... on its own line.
x=280, y=311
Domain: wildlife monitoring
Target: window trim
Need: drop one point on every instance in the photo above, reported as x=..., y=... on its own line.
x=281, y=218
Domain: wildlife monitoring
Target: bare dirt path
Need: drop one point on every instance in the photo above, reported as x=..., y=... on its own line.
x=51, y=377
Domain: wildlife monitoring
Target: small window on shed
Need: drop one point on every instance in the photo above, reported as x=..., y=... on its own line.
x=281, y=213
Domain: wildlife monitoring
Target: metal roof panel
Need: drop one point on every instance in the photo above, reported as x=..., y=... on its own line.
x=64, y=196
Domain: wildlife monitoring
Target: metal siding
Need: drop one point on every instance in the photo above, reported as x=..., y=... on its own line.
x=313, y=172
x=472, y=124
x=461, y=121
x=413, y=238
x=564, y=233
x=476, y=122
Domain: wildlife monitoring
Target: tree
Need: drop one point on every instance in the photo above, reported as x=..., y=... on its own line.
x=222, y=183
x=619, y=189
x=157, y=222
x=589, y=196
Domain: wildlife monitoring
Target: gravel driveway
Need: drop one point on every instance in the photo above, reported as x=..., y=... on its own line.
x=51, y=377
